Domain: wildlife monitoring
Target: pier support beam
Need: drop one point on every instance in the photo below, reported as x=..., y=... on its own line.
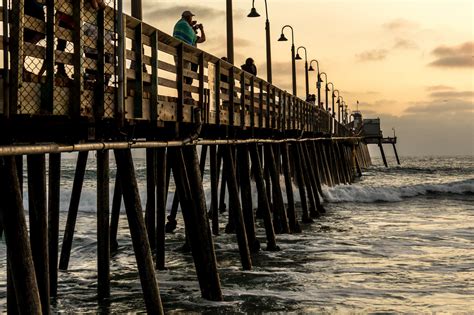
x=39, y=225
x=150, y=195
x=382, y=153
x=291, y=211
x=189, y=186
x=138, y=231
x=115, y=217
x=279, y=207
x=396, y=153
x=264, y=202
x=161, y=197
x=73, y=209
x=53, y=220
x=246, y=197
x=234, y=204
x=20, y=259
x=103, y=235
x=213, y=160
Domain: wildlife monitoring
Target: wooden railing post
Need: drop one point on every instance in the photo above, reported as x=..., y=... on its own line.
x=138, y=50
x=154, y=78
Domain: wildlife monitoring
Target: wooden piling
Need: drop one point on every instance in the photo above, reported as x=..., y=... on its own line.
x=279, y=207
x=115, y=217
x=53, y=220
x=262, y=193
x=307, y=179
x=214, y=190
x=291, y=211
x=320, y=164
x=150, y=209
x=39, y=225
x=246, y=197
x=73, y=209
x=103, y=235
x=196, y=221
x=313, y=178
x=327, y=164
x=396, y=153
x=382, y=152
x=235, y=205
x=138, y=231
x=301, y=185
x=20, y=258
x=161, y=196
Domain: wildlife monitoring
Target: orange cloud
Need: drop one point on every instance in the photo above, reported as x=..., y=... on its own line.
x=461, y=56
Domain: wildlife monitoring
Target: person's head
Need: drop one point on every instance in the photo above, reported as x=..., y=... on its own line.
x=249, y=61
x=188, y=16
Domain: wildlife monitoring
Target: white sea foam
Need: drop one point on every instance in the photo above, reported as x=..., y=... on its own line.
x=367, y=194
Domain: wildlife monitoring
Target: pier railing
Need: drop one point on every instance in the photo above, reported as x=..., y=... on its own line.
x=122, y=70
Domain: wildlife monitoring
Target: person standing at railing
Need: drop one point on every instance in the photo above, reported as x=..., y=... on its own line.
x=249, y=66
x=186, y=31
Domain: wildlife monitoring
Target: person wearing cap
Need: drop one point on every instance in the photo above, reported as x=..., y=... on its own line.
x=184, y=30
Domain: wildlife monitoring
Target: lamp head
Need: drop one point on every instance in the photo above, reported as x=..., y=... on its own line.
x=253, y=13
x=311, y=68
x=282, y=38
x=298, y=57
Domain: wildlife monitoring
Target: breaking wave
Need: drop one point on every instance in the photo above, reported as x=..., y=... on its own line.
x=367, y=194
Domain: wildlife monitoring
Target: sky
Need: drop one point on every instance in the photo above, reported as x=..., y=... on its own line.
x=411, y=63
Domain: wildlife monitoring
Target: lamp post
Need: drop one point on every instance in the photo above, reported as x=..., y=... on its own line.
x=293, y=65
x=341, y=102
x=332, y=106
x=305, y=66
x=254, y=13
x=230, y=32
x=326, y=88
x=318, y=82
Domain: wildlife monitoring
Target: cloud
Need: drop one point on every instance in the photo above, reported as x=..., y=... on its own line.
x=372, y=55
x=453, y=94
x=460, y=56
x=400, y=24
x=439, y=88
x=173, y=12
x=401, y=43
x=437, y=108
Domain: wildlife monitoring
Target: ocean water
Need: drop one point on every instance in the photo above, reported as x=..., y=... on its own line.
x=400, y=239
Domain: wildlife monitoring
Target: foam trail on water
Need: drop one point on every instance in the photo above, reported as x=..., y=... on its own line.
x=367, y=194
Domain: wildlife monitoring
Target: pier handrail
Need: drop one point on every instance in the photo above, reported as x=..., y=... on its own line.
x=158, y=93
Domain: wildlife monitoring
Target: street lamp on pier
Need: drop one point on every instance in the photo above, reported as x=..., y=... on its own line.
x=254, y=13
x=341, y=102
x=293, y=65
x=305, y=66
x=318, y=82
x=326, y=90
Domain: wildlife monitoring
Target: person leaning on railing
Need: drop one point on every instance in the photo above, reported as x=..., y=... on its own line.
x=186, y=31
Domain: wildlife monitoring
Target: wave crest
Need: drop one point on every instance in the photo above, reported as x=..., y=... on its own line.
x=359, y=193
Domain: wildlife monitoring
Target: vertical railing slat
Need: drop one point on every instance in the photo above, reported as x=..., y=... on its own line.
x=154, y=78
x=138, y=97
x=218, y=93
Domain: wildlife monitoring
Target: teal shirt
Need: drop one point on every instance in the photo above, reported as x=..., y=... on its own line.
x=184, y=32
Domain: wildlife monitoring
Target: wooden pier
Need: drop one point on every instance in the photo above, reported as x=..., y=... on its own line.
x=128, y=87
